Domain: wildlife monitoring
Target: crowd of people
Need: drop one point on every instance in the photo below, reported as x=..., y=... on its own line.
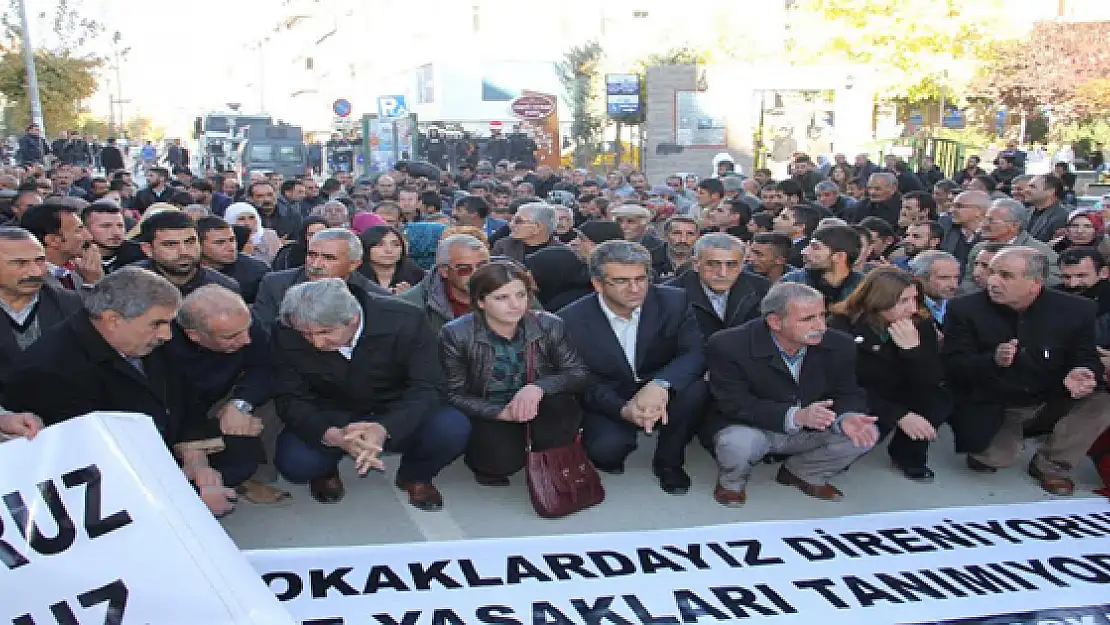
x=279, y=326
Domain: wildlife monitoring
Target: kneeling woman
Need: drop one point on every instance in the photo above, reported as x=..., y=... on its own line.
x=898, y=364
x=510, y=369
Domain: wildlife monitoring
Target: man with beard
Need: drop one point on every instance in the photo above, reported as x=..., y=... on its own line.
x=281, y=220
x=106, y=227
x=109, y=357
x=883, y=200
x=679, y=233
x=920, y=237
x=220, y=251
x=169, y=239
x=1085, y=274
x=939, y=273
x=157, y=189
x=829, y=258
x=30, y=304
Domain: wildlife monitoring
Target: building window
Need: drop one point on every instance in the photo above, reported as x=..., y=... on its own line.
x=425, y=84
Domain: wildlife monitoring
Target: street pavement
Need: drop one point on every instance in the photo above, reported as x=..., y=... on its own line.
x=375, y=512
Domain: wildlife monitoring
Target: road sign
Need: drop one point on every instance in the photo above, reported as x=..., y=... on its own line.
x=341, y=107
x=392, y=107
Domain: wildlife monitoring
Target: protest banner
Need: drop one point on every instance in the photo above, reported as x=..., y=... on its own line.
x=98, y=525
x=930, y=566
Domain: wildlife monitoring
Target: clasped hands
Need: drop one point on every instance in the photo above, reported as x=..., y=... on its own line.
x=524, y=406
x=647, y=407
x=363, y=441
x=860, y=429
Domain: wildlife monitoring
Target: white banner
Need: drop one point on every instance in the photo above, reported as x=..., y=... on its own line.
x=1025, y=560
x=98, y=525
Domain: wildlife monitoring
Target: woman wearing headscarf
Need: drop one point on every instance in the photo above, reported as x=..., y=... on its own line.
x=265, y=242
x=1085, y=228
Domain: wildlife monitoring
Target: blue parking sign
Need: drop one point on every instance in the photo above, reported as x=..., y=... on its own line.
x=392, y=107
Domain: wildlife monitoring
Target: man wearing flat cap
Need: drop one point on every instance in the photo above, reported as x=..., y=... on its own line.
x=634, y=221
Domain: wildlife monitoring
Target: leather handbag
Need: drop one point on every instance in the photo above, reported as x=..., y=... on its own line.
x=562, y=480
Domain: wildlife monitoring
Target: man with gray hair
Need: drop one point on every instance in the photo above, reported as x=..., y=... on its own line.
x=882, y=201
x=109, y=357
x=1014, y=350
x=939, y=273
x=721, y=293
x=356, y=375
x=1003, y=224
x=332, y=253
x=645, y=351
x=532, y=229
x=784, y=385
x=444, y=293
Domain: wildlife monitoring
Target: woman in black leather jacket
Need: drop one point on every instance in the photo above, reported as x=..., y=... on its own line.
x=510, y=369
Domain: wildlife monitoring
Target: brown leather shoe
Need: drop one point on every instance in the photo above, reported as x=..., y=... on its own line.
x=422, y=495
x=1062, y=486
x=258, y=493
x=729, y=498
x=327, y=489
x=828, y=492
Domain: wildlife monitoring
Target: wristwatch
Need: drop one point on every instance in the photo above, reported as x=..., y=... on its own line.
x=665, y=385
x=242, y=406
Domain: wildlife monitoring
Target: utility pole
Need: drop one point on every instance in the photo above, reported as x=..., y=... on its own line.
x=32, y=75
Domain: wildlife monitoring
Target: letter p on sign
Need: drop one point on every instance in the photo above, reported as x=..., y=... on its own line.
x=392, y=107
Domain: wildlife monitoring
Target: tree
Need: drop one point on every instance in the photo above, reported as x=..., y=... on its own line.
x=580, y=73
x=1058, y=65
x=64, y=83
x=64, y=61
x=921, y=49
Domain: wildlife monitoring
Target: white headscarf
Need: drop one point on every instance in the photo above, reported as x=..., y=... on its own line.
x=231, y=216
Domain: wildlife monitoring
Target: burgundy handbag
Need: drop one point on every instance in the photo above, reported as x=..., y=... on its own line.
x=561, y=480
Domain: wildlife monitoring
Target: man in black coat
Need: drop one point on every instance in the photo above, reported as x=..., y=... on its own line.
x=219, y=251
x=883, y=200
x=109, y=357
x=646, y=354
x=356, y=375
x=1011, y=351
x=30, y=304
x=560, y=271
x=108, y=230
x=721, y=293
x=785, y=385
x=169, y=239
x=332, y=253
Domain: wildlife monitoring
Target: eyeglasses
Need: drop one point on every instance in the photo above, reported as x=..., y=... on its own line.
x=624, y=283
x=464, y=269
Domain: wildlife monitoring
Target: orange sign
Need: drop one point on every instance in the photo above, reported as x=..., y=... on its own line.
x=539, y=112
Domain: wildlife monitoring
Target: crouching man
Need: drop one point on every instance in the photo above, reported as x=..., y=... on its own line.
x=357, y=375
x=785, y=386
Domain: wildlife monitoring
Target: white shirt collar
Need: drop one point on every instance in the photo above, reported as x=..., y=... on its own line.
x=611, y=316
x=347, y=350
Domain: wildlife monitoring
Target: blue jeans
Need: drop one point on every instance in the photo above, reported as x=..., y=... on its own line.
x=439, y=439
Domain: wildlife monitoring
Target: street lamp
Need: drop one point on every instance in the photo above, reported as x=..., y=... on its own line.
x=32, y=74
x=119, y=55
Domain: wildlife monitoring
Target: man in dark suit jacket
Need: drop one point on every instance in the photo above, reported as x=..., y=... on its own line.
x=332, y=253
x=646, y=353
x=1014, y=349
x=108, y=357
x=721, y=293
x=170, y=241
x=356, y=375
x=785, y=385
x=219, y=251
x=30, y=304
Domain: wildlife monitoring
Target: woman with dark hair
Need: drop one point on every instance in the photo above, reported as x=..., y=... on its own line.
x=292, y=255
x=1085, y=228
x=385, y=259
x=841, y=174
x=512, y=371
x=898, y=364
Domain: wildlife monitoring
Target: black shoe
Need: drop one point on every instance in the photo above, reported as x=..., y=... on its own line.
x=917, y=474
x=979, y=467
x=614, y=469
x=491, y=480
x=775, y=458
x=673, y=480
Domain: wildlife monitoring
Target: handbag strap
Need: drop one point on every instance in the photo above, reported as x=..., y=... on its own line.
x=527, y=437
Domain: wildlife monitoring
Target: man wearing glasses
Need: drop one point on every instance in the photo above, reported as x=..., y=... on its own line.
x=645, y=351
x=444, y=294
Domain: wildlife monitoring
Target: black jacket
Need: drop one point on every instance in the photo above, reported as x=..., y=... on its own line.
x=898, y=381
x=146, y=197
x=561, y=277
x=407, y=271
x=890, y=210
x=55, y=304
x=741, y=307
x=248, y=272
x=128, y=252
x=1055, y=335
x=752, y=385
x=669, y=346
x=394, y=374
x=111, y=158
x=245, y=374
x=467, y=356
x=32, y=148
x=72, y=371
